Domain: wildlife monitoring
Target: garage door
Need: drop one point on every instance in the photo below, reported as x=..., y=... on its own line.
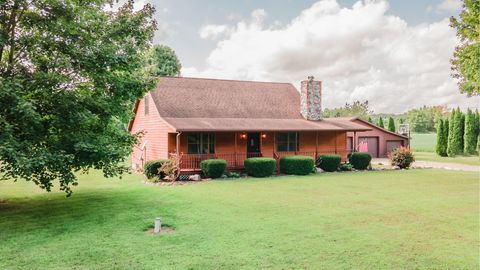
x=392, y=145
x=372, y=143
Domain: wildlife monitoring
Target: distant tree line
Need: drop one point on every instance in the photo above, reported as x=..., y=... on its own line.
x=458, y=134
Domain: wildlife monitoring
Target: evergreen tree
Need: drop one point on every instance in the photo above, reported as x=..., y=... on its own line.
x=456, y=133
x=445, y=132
x=380, y=122
x=470, y=136
x=441, y=147
x=402, y=120
x=370, y=120
x=450, y=144
x=391, y=124
x=461, y=133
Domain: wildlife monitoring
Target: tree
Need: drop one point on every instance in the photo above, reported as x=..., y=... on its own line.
x=356, y=109
x=455, y=147
x=370, y=119
x=70, y=74
x=450, y=145
x=441, y=147
x=380, y=122
x=391, y=124
x=466, y=58
x=424, y=119
x=470, y=136
x=162, y=61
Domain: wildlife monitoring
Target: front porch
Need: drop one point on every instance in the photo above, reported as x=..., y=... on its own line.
x=235, y=147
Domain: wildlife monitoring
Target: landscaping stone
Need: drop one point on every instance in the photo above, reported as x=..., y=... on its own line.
x=195, y=177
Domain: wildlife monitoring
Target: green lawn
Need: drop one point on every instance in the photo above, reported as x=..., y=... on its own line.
x=429, y=156
x=423, y=142
x=416, y=219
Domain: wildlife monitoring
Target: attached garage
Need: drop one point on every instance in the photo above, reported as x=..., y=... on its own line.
x=379, y=141
x=372, y=145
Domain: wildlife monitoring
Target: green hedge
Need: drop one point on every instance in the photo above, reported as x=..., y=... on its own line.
x=260, y=166
x=150, y=168
x=299, y=165
x=213, y=168
x=360, y=160
x=329, y=163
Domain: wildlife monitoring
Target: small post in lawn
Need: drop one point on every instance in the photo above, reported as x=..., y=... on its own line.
x=158, y=225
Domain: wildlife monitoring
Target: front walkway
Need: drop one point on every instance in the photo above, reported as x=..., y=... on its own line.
x=433, y=164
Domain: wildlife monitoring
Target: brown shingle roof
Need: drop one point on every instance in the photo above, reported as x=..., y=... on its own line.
x=193, y=104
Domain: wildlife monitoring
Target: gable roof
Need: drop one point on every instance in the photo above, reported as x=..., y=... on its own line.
x=373, y=126
x=194, y=104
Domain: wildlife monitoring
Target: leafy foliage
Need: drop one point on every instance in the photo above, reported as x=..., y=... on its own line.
x=329, y=163
x=346, y=167
x=401, y=157
x=455, y=134
x=162, y=61
x=470, y=134
x=151, y=169
x=298, y=165
x=442, y=139
x=260, y=166
x=466, y=58
x=357, y=109
x=391, y=124
x=360, y=160
x=213, y=168
x=424, y=119
x=380, y=123
x=171, y=168
x=70, y=73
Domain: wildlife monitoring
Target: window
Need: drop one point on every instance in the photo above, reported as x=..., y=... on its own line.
x=287, y=142
x=146, y=100
x=201, y=143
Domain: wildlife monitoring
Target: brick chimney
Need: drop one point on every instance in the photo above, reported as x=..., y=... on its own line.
x=311, y=99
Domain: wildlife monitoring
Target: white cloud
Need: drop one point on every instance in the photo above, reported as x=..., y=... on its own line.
x=449, y=6
x=213, y=31
x=359, y=53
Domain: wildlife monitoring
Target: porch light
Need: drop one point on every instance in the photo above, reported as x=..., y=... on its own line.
x=243, y=136
x=264, y=135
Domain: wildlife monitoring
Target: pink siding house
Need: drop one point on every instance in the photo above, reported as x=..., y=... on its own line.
x=379, y=141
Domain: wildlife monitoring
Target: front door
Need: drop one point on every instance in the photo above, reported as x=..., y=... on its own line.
x=253, y=143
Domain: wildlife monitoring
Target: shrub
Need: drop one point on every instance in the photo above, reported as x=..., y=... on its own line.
x=299, y=165
x=360, y=160
x=329, y=163
x=346, y=167
x=213, y=168
x=232, y=175
x=401, y=157
x=260, y=166
x=151, y=169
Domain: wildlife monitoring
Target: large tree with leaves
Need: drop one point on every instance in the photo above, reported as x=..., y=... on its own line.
x=70, y=72
x=162, y=61
x=355, y=109
x=466, y=58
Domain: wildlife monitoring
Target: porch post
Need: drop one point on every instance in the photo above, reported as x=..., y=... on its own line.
x=336, y=134
x=316, y=144
x=354, y=142
x=177, y=149
x=235, y=150
x=274, y=138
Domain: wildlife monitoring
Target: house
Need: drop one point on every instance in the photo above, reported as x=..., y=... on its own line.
x=234, y=120
x=379, y=141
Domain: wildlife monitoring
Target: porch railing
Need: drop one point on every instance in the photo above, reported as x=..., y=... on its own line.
x=235, y=161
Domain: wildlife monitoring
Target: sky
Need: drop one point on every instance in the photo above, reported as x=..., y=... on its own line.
x=395, y=54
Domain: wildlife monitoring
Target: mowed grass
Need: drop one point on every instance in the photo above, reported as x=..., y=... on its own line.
x=423, y=142
x=466, y=160
x=415, y=219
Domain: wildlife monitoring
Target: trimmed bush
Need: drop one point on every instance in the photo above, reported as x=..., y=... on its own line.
x=329, y=163
x=401, y=157
x=151, y=168
x=299, y=165
x=213, y=168
x=360, y=160
x=260, y=166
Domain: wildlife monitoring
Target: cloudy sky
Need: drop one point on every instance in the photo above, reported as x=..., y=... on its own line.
x=395, y=54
